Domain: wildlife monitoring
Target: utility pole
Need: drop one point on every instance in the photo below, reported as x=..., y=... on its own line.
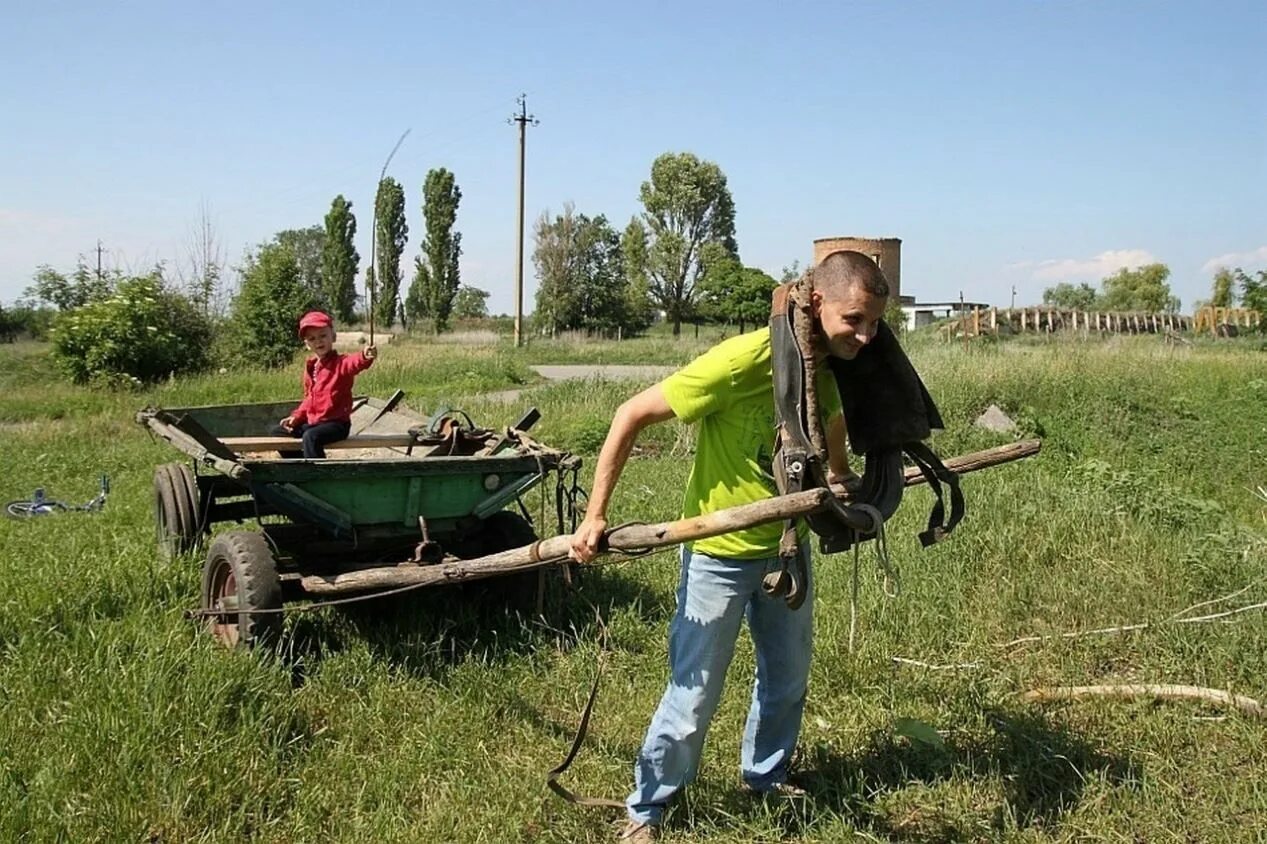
x=523, y=118
x=1013, y=298
x=963, y=321
x=98, y=260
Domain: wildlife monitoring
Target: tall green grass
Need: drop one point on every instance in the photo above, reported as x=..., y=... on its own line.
x=434, y=718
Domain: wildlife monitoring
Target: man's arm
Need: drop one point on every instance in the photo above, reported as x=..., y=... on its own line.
x=646, y=408
x=838, y=452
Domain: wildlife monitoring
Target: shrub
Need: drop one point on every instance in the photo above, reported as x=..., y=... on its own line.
x=141, y=332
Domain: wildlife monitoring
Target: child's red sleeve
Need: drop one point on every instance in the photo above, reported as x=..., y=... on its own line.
x=358, y=362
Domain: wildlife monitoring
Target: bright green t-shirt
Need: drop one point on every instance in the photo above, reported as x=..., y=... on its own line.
x=729, y=391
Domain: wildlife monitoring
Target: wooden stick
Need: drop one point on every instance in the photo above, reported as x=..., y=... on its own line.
x=1159, y=691
x=631, y=538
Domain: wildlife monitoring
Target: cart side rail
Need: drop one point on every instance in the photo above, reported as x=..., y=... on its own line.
x=187, y=435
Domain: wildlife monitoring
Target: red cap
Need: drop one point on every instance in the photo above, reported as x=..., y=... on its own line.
x=314, y=319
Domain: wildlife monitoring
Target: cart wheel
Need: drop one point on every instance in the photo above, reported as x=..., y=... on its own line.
x=505, y=530
x=184, y=476
x=240, y=576
x=174, y=519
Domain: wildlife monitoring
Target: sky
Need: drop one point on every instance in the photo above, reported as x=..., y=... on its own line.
x=1008, y=144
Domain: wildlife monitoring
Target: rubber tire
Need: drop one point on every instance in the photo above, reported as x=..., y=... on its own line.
x=246, y=556
x=175, y=509
x=169, y=527
x=184, y=476
x=507, y=529
x=502, y=531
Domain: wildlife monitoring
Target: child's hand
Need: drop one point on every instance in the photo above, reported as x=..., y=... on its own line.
x=370, y=352
x=289, y=424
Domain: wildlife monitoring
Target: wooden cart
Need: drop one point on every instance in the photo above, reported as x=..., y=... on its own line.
x=403, y=490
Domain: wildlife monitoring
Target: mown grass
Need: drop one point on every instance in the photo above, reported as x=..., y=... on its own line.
x=435, y=718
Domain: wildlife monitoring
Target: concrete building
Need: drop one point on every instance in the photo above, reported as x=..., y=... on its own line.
x=885, y=251
x=919, y=314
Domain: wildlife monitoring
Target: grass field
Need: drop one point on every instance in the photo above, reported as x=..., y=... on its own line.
x=435, y=718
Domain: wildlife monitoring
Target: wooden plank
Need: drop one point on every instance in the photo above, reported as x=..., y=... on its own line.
x=246, y=445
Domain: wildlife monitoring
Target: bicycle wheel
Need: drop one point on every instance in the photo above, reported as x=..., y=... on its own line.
x=30, y=509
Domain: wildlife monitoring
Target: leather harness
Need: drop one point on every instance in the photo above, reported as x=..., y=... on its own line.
x=888, y=412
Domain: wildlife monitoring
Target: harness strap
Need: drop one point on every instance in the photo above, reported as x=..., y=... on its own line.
x=552, y=778
x=936, y=473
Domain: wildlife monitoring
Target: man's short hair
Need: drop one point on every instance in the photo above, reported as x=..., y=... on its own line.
x=844, y=268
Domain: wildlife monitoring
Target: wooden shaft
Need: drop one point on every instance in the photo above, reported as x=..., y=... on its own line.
x=632, y=537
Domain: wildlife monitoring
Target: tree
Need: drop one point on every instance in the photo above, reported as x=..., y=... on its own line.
x=8, y=326
x=736, y=293
x=436, y=274
x=690, y=220
x=416, y=305
x=792, y=273
x=393, y=233
x=1140, y=289
x=470, y=303
x=206, y=264
x=1254, y=294
x=268, y=306
x=639, y=309
x=1081, y=297
x=340, y=260
x=307, y=245
x=65, y=294
x=581, y=273
x=1223, y=293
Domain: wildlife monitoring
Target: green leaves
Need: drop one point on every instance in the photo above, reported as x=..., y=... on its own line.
x=340, y=260
x=580, y=266
x=470, y=303
x=1140, y=289
x=268, y=306
x=393, y=233
x=732, y=292
x=919, y=732
x=437, y=276
x=1082, y=297
x=142, y=332
x=688, y=208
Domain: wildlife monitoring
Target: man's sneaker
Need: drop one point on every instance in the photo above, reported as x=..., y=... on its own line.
x=787, y=789
x=638, y=832
x=779, y=789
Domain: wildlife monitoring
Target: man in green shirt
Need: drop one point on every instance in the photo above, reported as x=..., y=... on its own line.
x=729, y=391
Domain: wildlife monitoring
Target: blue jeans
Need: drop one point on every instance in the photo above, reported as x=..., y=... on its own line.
x=713, y=597
x=314, y=437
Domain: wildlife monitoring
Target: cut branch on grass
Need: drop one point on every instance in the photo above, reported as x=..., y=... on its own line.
x=1219, y=615
x=949, y=666
x=1229, y=596
x=1180, y=617
x=1076, y=634
x=1156, y=691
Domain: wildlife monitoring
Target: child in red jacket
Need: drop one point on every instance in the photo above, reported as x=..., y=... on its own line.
x=325, y=415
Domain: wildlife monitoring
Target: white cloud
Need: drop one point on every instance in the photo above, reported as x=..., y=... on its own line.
x=1252, y=259
x=1085, y=269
